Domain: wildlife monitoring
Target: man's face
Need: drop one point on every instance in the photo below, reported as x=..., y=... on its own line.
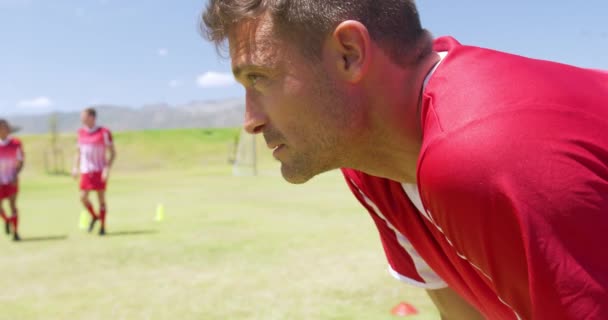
x=87, y=119
x=303, y=114
x=4, y=131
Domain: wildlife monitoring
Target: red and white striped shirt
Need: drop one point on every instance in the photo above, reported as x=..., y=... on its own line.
x=11, y=153
x=92, y=144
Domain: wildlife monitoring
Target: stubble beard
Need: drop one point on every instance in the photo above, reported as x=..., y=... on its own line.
x=325, y=151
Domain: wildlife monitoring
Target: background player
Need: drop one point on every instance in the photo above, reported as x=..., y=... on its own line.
x=11, y=164
x=95, y=156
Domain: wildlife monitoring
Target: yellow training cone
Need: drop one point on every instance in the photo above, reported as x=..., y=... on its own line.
x=160, y=213
x=84, y=220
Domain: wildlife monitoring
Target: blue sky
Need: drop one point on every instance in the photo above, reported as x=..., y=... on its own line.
x=66, y=54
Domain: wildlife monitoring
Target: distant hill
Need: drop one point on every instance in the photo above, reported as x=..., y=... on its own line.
x=197, y=114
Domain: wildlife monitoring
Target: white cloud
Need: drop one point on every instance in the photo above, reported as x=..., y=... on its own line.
x=163, y=52
x=213, y=79
x=36, y=103
x=175, y=83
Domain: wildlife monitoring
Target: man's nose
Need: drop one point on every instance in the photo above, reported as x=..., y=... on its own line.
x=255, y=118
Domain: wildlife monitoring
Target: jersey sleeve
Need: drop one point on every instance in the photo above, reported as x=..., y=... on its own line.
x=108, y=140
x=405, y=264
x=527, y=208
x=20, y=154
x=78, y=138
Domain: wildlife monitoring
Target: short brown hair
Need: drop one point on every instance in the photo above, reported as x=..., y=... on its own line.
x=91, y=112
x=6, y=124
x=394, y=24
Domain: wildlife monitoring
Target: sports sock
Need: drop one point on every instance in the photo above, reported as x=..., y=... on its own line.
x=89, y=207
x=15, y=220
x=102, y=215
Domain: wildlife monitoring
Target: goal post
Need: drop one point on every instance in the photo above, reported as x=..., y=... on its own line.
x=245, y=161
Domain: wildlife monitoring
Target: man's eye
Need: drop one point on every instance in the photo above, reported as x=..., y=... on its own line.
x=253, y=78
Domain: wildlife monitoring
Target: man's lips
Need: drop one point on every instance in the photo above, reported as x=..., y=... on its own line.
x=275, y=146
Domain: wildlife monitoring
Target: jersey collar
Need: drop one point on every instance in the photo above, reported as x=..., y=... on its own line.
x=91, y=130
x=442, y=56
x=6, y=141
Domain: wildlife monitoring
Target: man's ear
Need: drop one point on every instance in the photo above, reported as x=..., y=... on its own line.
x=349, y=50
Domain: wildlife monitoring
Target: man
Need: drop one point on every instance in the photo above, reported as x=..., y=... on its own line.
x=11, y=164
x=93, y=165
x=485, y=173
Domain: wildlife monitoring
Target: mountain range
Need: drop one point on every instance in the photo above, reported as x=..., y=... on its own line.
x=197, y=114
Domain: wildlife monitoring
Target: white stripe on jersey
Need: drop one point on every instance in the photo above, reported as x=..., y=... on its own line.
x=8, y=170
x=432, y=281
x=93, y=144
x=413, y=193
x=106, y=139
x=9, y=159
x=19, y=154
x=92, y=158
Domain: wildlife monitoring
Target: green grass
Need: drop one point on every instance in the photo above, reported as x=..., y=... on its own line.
x=229, y=248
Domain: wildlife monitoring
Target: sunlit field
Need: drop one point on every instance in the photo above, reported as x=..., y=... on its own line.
x=227, y=248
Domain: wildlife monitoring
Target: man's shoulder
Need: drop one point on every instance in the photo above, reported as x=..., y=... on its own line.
x=13, y=142
x=16, y=142
x=472, y=76
x=472, y=85
x=517, y=151
x=106, y=132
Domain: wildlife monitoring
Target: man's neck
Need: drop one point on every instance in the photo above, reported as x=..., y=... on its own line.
x=393, y=145
x=91, y=129
x=5, y=140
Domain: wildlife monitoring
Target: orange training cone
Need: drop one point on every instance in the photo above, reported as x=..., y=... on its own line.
x=404, y=309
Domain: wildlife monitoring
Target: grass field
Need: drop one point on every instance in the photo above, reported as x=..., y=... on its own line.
x=229, y=248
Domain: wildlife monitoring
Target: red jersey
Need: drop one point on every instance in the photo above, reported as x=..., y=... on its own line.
x=511, y=203
x=93, y=144
x=11, y=153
